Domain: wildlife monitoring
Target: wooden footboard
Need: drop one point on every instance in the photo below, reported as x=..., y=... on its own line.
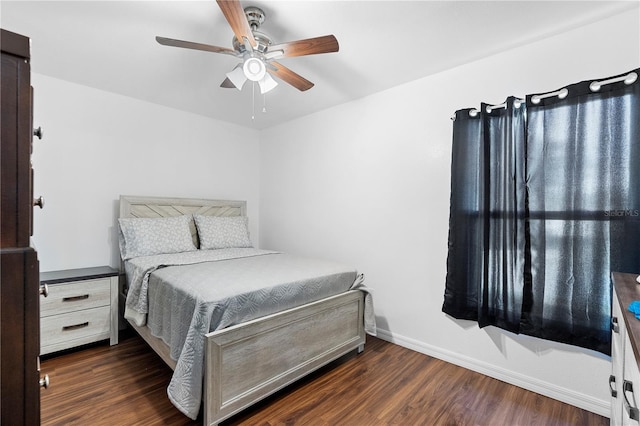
x=250, y=361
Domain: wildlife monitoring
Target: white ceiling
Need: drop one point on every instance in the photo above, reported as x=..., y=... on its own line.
x=110, y=45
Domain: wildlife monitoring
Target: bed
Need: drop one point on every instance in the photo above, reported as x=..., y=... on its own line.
x=288, y=317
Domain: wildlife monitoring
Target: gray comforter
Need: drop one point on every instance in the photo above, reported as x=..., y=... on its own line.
x=214, y=289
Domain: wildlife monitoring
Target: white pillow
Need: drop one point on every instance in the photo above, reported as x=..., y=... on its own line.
x=149, y=236
x=222, y=232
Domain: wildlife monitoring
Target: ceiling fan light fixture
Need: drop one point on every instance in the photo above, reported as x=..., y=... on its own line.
x=267, y=84
x=237, y=76
x=254, y=69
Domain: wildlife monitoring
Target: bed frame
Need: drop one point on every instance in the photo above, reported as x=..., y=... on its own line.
x=247, y=362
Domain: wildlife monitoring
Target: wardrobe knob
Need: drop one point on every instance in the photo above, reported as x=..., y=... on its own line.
x=39, y=201
x=38, y=132
x=44, y=381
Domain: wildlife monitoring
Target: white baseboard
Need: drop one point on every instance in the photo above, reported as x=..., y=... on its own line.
x=532, y=384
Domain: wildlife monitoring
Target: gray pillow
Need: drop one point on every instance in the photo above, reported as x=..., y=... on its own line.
x=149, y=236
x=222, y=232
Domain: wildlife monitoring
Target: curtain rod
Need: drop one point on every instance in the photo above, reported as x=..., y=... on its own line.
x=474, y=112
x=562, y=93
x=594, y=87
x=516, y=103
x=628, y=79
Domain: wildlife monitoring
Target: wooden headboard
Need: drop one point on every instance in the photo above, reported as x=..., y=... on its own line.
x=134, y=206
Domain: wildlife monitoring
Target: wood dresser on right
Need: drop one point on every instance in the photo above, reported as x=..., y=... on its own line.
x=624, y=382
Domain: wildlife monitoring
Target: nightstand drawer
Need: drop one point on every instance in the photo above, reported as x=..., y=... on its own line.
x=69, y=297
x=74, y=328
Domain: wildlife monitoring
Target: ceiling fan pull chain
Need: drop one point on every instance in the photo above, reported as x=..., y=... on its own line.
x=253, y=101
x=264, y=103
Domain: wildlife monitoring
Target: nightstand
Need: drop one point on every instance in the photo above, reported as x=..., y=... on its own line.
x=80, y=306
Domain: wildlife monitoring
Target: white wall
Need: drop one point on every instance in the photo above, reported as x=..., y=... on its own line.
x=368, y=183
x=99, y=145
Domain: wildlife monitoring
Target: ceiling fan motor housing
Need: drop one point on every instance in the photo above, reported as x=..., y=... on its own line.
x=255, y=17
x=263, y=42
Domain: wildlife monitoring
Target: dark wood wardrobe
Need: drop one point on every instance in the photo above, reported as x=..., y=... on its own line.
x=19, y=279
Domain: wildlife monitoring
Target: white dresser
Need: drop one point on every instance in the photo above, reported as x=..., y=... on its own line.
x=80, y=307
x=624, y=382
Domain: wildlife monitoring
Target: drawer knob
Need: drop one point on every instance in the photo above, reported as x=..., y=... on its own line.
x=44, y=381
x=39, y=202
x=38, y=132
x=44, y=290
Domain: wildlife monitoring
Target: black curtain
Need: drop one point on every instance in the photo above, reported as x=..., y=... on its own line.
x=545, y=203
x=466, y=221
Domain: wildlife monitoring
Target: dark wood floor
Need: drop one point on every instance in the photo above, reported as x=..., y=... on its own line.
x=386, y=384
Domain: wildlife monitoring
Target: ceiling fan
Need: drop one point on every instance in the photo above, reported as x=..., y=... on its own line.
x=256, y=50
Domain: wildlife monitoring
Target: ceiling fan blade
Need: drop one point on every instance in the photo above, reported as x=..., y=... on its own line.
x=234, y=13
x=310, y=46
x=196, y=46
x=288, y=76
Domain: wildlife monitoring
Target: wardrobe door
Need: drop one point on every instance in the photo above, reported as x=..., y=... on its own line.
x=19, y=270
x=19, y=338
